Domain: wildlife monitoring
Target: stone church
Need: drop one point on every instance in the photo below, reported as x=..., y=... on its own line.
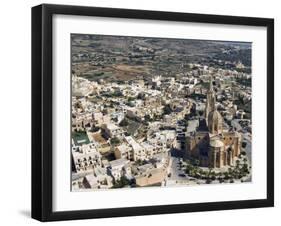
x=215, y=146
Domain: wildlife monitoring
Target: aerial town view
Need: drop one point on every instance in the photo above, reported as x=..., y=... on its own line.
x=159, y=112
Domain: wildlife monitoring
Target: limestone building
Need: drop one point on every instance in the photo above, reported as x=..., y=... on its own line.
x=214, y=146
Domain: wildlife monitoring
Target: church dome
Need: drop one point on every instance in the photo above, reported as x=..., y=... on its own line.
x=214, y=116
x=216, y=143
x=215, y=122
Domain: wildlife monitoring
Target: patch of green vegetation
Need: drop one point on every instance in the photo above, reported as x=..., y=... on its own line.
x=114, y=141
x=121, y=183
x=131, y=99
x=80, y=138
x=113, y=94
x=247, y=70
x=100, y=73
x=240, y=170
x=96, y=75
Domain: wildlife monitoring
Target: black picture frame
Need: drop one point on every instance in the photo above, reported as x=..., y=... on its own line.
x=42, y=111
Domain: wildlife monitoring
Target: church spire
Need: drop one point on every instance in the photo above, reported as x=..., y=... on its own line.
x=211, y=89
x=211, y=100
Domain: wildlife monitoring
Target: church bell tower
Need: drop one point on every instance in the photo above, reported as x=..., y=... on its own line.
x=211, y=100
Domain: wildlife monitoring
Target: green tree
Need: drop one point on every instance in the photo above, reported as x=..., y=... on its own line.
x=131, y=99
x=114, y=141
x=122, y=182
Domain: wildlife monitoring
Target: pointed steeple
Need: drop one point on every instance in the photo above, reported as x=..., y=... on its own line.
x=211, y=100
x=211, y=89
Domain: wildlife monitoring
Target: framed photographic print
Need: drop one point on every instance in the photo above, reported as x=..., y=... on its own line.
x=146, y=112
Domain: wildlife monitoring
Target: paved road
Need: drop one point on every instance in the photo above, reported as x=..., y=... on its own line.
x=175, y=170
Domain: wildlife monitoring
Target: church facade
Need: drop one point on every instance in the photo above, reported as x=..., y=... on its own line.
x=214, y=146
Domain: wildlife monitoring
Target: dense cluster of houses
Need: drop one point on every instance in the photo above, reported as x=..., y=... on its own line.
x=123, y=132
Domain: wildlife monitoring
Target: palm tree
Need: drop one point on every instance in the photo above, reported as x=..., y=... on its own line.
x=226, y=175
x=197, y=162
x=219, y=175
